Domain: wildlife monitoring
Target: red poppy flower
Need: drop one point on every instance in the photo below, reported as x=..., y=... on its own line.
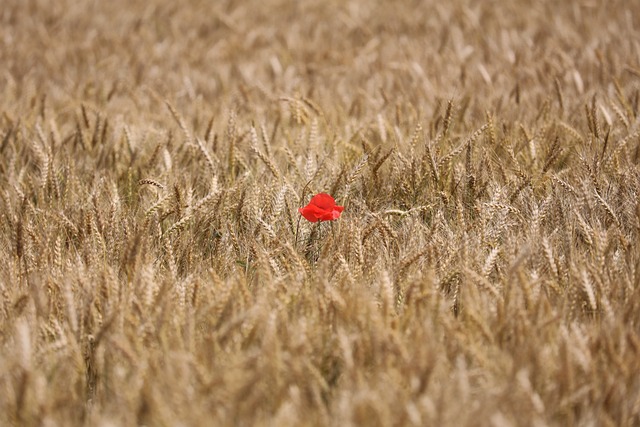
x=322, y=207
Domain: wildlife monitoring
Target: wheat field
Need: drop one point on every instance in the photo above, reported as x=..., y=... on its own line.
x=154, y=267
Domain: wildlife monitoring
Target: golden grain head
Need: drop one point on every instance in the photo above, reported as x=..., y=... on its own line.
x=154, y=268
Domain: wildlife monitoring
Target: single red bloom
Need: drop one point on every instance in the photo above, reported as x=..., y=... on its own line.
x=322, y=207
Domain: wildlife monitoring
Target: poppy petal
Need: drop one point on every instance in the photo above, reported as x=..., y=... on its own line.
x=309, y=216
x=311, y=213
x=321, y=207
x=323, y=201
x=330, y=215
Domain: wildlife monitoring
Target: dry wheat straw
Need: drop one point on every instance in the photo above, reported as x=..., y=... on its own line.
x=484, y=271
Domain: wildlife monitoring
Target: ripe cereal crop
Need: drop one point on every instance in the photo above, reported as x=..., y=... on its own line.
x=478, y=263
